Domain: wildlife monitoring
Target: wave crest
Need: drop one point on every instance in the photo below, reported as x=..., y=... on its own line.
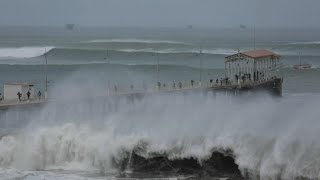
x=218, y=51
x=24, y=52
x=306, y=43
x=133, y=40
x=267, y=137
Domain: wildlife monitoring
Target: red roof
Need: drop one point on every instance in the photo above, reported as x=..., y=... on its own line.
x=259, y=53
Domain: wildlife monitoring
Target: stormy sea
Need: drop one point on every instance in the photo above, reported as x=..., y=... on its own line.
x=83, y=133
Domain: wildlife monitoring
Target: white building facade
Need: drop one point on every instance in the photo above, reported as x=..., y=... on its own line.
x=11, y=91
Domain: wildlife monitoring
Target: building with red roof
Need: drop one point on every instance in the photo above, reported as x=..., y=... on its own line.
x=254, y=65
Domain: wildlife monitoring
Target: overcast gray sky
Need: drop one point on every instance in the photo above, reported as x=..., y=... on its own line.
x=167, y=13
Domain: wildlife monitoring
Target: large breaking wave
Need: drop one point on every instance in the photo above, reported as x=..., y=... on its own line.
x=306, y=43
x=23, y=52
x=91, y=52
x=148, y=50
x=134, y=40
x=268, y=138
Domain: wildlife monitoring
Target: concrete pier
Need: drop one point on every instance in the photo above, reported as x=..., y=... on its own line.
x=272, y=86
x=11, y=103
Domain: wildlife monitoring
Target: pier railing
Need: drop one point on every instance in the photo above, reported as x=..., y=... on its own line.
x=182, y=85
x=153, y=88
x=13, y=102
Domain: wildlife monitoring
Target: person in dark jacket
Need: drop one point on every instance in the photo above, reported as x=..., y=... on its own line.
x=39, y=95
x=237, y=77
x=19, y=96
x=28, y=95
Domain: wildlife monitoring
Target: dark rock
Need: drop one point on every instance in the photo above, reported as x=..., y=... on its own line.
x=218, y=165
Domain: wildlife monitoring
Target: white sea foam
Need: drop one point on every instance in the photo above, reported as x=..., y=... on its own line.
x=23, y=52
x=36, y=175
x=306, y=43
x=150, y=50
x=134, y=40
x=270, y=138
x=218, y=51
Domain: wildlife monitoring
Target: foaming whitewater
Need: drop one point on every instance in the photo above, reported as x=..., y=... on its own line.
x=218, y=51
x=23, y=52
x=133, y=40
x=268, y=138
x=306, y=43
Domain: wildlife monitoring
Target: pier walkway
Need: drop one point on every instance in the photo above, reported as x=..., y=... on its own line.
x=186, y=86
x=8, y=103
x=160, y=88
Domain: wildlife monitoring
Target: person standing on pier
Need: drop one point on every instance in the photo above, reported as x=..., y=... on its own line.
x=39, y=95
x=180, y=85
x=192, y=83
x=28, y=95
x=174, y=85
x=19, y=96
x=237, y=77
